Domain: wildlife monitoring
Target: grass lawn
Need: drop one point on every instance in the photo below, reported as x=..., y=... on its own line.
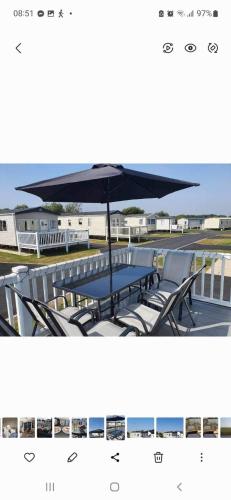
x=164, y=235
x=225, y=431
x=46, y=258
x=104, y=242
x=218, y=242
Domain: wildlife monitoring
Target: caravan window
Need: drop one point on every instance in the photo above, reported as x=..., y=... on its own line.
x=3, y=225
x=53, y=224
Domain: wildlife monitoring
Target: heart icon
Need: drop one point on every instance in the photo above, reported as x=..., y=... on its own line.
x=29, y=457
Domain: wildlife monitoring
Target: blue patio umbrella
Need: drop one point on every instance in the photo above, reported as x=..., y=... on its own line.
x=105, y=183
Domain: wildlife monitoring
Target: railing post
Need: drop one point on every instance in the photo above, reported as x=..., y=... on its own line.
x=18, y=242
x=37, y=244
x=66, y=240
x=117, y=233
x=25, y=322
x=88, y=239
x=129, y=235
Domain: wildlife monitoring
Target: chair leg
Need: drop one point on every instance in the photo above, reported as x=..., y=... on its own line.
x=180, y=311
x=172, y=324
x=190, y=297
x=175, y=323
x=190, y=314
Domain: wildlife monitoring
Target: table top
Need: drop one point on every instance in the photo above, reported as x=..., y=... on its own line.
x=103, y=285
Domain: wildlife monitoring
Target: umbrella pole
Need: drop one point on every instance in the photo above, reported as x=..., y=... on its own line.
x=109, y=235
x=109, y=249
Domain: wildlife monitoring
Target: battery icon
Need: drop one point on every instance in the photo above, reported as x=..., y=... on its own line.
x=215, y=13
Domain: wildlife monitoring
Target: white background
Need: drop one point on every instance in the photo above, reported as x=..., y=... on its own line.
x=97, y=87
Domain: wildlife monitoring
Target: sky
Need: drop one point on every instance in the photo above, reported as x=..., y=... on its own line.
x=140, y=424
x=226, y=422
x=169, y=424
x=96, y=423
x=212, y=196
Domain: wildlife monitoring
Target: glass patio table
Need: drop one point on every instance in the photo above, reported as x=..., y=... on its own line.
x=105, y=285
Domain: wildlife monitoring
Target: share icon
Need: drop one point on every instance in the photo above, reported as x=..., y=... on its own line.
x=115, y=457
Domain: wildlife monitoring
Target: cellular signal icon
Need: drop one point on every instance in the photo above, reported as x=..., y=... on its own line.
x=191, y=14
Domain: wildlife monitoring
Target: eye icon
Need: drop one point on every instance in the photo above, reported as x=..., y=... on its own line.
x=190, y=47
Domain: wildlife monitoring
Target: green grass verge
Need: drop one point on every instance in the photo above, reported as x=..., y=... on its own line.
x=218, y=242
x=46, y=258
x=164, y=235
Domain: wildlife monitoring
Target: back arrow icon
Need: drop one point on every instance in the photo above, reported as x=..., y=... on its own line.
x=179, y=487
x=17, y=48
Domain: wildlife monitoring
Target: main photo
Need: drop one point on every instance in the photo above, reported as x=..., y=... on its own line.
x=111, y=250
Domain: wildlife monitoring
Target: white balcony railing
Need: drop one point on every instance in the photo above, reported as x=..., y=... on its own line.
x=213, y=286
x=51, y=239
x=130, y=232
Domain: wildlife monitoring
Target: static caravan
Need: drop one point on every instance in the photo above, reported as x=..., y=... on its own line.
x=37, y=229
x=8, y=229
x=95, y=222
x=36, y=219
x=165, y=223
x=217, y=223
x=147, y=221
x=27, y=220
x=190, y=222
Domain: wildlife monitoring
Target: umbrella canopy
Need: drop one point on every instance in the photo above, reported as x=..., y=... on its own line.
x=105, y=183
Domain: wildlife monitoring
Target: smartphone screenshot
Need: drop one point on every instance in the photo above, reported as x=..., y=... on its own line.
x=115, y=250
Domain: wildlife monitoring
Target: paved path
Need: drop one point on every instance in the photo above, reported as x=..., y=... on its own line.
x=179, y=241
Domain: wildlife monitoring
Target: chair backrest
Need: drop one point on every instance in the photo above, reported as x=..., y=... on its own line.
x=177, y=266
x=173, y=300
x=142, y=256
x=28, y=303
x=193, y=278
x=6, y=330
x=58, y=325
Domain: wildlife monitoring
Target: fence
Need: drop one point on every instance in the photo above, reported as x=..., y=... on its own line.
x=214, y=285
x=52, y=239
x=129, y=232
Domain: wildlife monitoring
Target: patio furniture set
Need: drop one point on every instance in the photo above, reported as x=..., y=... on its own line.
x=128, y=300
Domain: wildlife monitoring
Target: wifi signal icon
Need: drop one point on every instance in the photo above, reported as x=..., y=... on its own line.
x=191, y=14
x=181, y=13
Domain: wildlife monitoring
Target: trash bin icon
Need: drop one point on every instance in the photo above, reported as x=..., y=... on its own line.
x=158, y=457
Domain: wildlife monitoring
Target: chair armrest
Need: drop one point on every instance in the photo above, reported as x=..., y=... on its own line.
x=58, y=297
x=157, y=295
x=130, y=329
x=79, y=314
x=137, y=316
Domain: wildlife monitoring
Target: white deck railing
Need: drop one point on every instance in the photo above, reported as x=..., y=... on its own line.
x=214, y=285
x=51, y=239
x=129, y=232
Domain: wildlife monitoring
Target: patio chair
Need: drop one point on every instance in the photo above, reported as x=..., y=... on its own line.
x=6, y=330
x=157, y=298
x=177, y=268
x=148, y=320
x=142, y=256
x=61, y=326
x=67, y=312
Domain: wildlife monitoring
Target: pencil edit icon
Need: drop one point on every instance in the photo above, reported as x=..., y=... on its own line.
x=72, y=457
